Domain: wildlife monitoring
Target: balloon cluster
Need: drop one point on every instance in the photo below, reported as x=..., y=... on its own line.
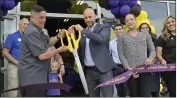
x=143, y=18
x=6, y=5
x=120, y=8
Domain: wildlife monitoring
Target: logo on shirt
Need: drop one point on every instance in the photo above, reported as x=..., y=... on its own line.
x=19, y=39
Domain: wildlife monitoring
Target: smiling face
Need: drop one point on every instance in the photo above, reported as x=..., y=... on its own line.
x=145, y=28
x=130, y=21
x=118, y=30
x=171, y=24
x=23, y=24
x=39, y=19
x=89, y=17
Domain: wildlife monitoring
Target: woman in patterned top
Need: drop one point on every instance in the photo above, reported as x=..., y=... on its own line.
x=144, y=27
x=166, y=52
x=132, y=49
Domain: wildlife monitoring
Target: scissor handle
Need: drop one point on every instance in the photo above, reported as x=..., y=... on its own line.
x=69, y=46
x=76, y=41
x=72, y=38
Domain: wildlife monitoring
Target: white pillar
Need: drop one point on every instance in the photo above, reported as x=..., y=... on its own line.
x=99, y=13
x=168, y=8
x=9, y=25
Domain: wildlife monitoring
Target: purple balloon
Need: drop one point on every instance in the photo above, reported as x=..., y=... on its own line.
x=132, y=3
x=8, y=4
x=115, y=11
x=1, y=2
x=4, y=12
x=113, y=3
x=124, y=2
x=16, y=3
x=124, y=10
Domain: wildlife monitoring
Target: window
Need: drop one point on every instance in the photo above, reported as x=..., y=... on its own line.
x=172, y=9
x=157, y=12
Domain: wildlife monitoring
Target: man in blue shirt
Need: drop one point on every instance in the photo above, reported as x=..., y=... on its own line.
x=118, y=29
x=11, y=51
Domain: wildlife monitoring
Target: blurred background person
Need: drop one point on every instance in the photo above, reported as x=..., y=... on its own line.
x=57, y=55
x=166, y=52
x=118, y=29
x=144, y=27
x=54, y=76
x=11, y=51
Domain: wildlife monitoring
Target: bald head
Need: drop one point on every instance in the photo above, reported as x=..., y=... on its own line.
x=89, y=11
x=23, y=20
x=23, y=24
x=89, y=17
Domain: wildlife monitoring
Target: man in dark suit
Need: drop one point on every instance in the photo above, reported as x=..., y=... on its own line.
x=95, y=56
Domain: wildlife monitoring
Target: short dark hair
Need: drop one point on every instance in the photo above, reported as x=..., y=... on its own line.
x=37, y=8
x=131, y=14
x=147, y=25
x=118, y=25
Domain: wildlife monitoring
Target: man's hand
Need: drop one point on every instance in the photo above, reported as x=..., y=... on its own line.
x=148, y=61
x=78, y=27
x=71, y=30
x=61, y=33
x=17, y=63
x=62, y=49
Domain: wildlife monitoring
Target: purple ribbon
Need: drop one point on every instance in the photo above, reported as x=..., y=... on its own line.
x=43, y=86
x=142, y=69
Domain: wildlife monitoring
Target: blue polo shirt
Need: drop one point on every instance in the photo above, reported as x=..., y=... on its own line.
x=12, y=43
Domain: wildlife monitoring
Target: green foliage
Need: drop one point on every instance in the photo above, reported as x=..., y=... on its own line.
x=77, y=9
x=27, y=4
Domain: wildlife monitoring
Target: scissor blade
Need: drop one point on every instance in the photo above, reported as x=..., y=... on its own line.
x=81, y=72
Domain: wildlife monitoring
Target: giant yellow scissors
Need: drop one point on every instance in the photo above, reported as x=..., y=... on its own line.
x=73, y=48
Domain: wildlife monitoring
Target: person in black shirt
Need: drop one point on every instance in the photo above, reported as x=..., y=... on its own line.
x=166, y=52
x=144, y=27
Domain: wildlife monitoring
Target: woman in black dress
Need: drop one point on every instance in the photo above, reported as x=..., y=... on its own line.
x=144, y=27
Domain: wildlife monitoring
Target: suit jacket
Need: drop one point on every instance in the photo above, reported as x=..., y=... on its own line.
x=99, y=47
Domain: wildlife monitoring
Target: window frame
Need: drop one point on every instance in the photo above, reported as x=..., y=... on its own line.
x=168, y=5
